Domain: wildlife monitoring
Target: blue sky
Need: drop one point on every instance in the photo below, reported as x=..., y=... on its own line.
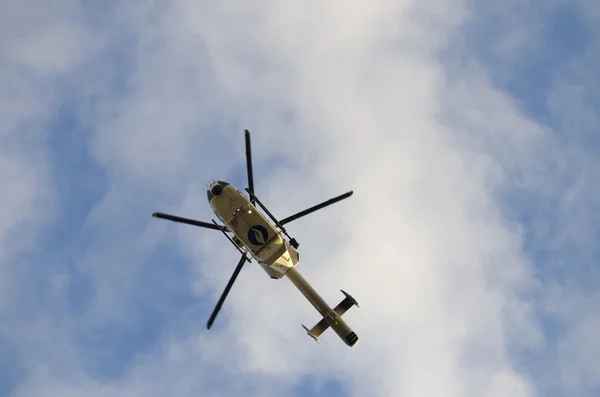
x=468, y=132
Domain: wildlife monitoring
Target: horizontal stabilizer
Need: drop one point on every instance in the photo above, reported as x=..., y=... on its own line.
x=346, y=304
x=340, y=309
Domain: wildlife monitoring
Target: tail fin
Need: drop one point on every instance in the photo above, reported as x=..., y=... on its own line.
x=311, y=334
x=346, y=304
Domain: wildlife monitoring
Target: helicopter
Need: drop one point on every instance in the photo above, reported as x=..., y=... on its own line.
x=263, y=238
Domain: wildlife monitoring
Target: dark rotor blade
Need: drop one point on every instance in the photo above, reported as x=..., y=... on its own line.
x=225, y=292
x=315, y=208
x=249, y=164
x=188, y=221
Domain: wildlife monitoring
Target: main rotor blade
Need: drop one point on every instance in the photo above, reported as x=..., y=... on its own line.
x=315, y=208
x=187, y=221
x=249, y=164
x=225, y=292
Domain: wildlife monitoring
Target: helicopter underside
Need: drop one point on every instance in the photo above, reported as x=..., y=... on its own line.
x=252, y=232
x=255, y=237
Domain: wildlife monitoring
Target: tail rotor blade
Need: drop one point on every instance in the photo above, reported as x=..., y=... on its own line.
x=226, y=292
x=315, y=208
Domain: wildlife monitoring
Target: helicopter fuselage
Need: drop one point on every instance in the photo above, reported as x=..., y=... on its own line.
x=254, y=234
x=252, y=231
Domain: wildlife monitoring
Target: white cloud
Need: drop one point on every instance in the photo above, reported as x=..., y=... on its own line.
x=350, y=96
x=26, y=102
x=578, y=354
x=427, y=228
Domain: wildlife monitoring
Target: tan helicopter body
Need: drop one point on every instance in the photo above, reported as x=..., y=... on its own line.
x=261, y=239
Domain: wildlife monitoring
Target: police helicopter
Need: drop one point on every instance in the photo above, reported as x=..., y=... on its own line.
x=256, y=237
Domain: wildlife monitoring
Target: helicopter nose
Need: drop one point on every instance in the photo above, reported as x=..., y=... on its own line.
x=214, y=190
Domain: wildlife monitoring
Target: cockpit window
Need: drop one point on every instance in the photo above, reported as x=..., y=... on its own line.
x=215, y=189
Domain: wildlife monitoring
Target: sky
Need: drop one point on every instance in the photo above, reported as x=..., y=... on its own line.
x=468, y=131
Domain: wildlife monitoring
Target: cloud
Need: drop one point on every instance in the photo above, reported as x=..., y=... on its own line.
x=25, y=101
x=435, y=244
x=551, y=194
x=578, y=353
